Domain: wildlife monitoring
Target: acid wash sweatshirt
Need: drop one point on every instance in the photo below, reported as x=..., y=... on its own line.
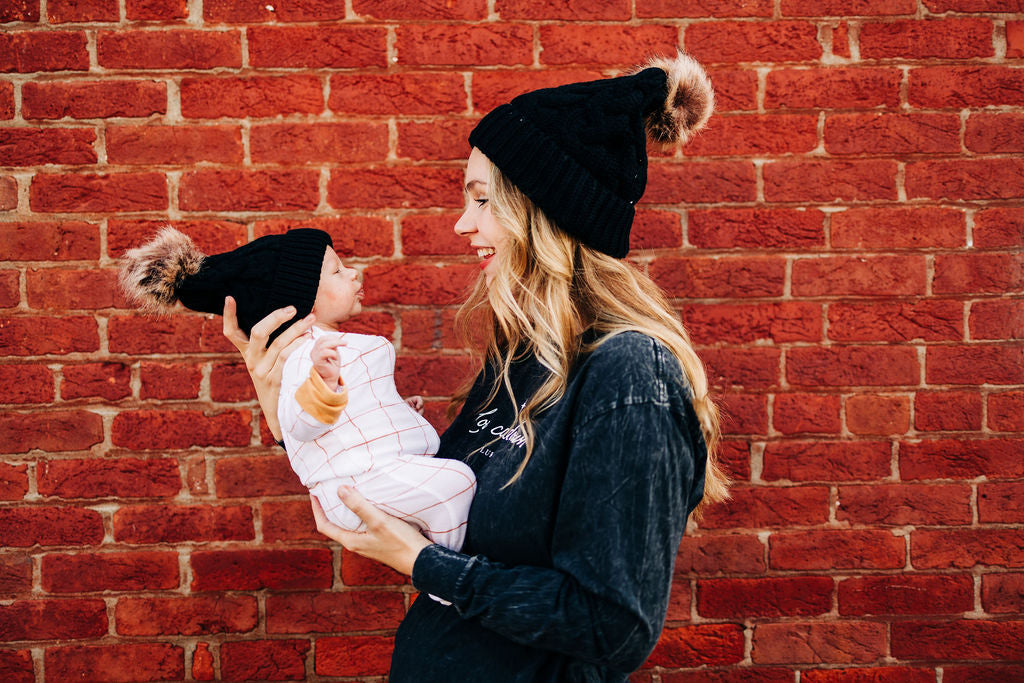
x=565, y=574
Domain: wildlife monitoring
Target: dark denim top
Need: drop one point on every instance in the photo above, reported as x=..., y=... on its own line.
x=565, y=575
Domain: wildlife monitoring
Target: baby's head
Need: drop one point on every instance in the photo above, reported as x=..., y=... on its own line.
x=298, y=268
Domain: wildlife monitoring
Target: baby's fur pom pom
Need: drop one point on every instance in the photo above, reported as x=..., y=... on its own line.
x=688, y=104
x=150, y=274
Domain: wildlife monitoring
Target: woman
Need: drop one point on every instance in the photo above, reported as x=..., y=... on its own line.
x=589, y=427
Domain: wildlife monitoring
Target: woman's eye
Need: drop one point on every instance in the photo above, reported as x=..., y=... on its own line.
x=481, y=201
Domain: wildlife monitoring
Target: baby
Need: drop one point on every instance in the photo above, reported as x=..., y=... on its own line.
x=369, y=437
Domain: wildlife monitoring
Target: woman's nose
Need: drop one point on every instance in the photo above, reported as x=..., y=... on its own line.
x=464, y=226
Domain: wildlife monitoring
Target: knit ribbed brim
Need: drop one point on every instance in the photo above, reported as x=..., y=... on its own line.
x=297, y=278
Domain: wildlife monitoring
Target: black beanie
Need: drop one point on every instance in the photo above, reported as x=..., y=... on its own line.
x=579, y=151
x=268, y=273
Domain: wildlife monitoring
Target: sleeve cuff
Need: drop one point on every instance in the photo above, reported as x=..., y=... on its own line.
x=317, y=399
x=439, y=571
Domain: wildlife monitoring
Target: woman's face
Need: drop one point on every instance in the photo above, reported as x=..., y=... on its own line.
x=477, y=224
x=340, y=294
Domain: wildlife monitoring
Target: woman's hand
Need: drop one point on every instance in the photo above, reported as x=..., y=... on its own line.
x=264, y=363
x=387, y=539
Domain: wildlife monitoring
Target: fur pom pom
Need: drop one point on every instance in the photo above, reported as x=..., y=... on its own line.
x=688, y=104
x=151, y=274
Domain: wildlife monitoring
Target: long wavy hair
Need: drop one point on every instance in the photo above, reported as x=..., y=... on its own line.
x=547, y=290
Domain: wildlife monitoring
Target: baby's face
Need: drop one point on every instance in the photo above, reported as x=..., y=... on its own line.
x=340, y=294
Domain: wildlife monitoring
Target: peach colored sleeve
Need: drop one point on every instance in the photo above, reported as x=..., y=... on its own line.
x=317, y=399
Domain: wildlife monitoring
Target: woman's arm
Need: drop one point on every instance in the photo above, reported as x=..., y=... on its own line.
x=264, y=363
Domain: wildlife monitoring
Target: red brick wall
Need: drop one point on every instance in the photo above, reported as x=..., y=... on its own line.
x=844, y=243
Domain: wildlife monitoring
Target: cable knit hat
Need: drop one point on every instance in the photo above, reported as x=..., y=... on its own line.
x=579, y=151
x=268, y=273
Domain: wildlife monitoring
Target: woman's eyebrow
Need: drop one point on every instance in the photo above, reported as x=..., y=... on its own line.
x=473, y=183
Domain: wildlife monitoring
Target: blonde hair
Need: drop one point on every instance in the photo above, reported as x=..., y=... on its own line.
x=547, y=290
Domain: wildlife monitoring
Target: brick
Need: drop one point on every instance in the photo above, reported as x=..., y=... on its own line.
x=706, y=8
x=904, y=504
x=318, y=142
x=93, y=99
x=46, y=526
x=202, y=663
x=493, y=88
x=434, y=10
x=394, y=187
x=53, y=619
x=403, y=93
x=117, y=571
x=63, y=290
x=743, y=323
x=898, y=228
x=354, y=655
x=806, y=414
x=436, y=140
x=878, y=414
x=256, y=97
x=333, y=612
x=742, y=367
x=265, y=659
x=947, y=411
x=15, y=574
x=979, y=273
x=828, y=181
x=10, y=289
x=563, y=44
x=332, y=47
x=836, y=549
x=288, y=521
x=248, y=570
x=999, y=227
x=764, y=597
x=859, y=276
x=49, y=241
x=258, y=190
x=121, y=662
x=954, y=87
x=966, y=179
x=169, y=380
x=819, y=8
x=187, y=616
x=156, y=10
x=700, y=182
x=892, y=134
x=464, y=45
x=841, y=40
x=135, y=334
x=256, y=477
x=824, y=461
x=168, y=49
x=743, y=413
x=1014, y=38
x=65, y=430
x=39, y=146
x=253, y=11
x=995, y=133
x=210, y=236
x=178, y=145
x=66, y=11
x=714, y=554
x=968, y=639
x=16, y=665
x=357, y=570
x=110, y=381
x=975, y=365
x=1006, y=411
x=981, y=674
x=811, y=643
x=432, y=375
x=26, y=384
x=735, y=89
x=734, y=456
x=751, y=134
x=874, y=674
x=30, y=51
x=177, y=524
x=87, y=193
x=1000, y=319
x=704, y=644
x=852, y=366
x=351, y=235
x=961, y=458
x=1001, y=502
x=417, y=284
x=168, y=429
x=48, y=335
x=765, y=507
x=936, y=6
x=19, y=10
x=966, y=548
x=13, y=481
x=928, y=320
x=832, y=88
x=8, y=193
x=960, y=38
x=1002, y=593
x=420, y=330
x=756, y=228
x=110, y=478
x=769, y=41
x=229, y=382
x=695, y=277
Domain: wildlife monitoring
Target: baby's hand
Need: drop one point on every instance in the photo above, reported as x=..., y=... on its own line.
x=326, y=360
x=416, y=403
